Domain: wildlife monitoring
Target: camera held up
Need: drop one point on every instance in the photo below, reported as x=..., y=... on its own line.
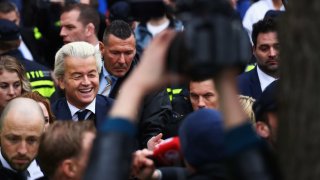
x=213, y=38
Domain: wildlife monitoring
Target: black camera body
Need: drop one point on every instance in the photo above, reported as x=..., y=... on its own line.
x=213, y=39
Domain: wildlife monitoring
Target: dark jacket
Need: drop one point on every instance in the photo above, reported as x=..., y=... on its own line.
x=111, y=155
x=155, y=110
x=37, y=47
x=250, y=157
x=62, y=112
x=209, y=172
x=249, y=84
x=7, y=174
x=112, y=150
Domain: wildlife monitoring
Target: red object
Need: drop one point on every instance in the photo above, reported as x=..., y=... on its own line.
x=168, y=153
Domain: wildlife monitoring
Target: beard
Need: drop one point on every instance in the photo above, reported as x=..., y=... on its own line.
x=18, y=162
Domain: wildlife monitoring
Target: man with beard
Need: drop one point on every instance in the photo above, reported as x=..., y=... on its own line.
x=21, y=125
x=266, y=50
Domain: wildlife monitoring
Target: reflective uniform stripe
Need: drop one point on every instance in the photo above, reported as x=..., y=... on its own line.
x=45, y=87
x=42, y=83
x=172, y=92
x=45, y=91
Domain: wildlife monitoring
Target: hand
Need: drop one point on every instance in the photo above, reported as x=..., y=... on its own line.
x=142, y=166
x=154, y=141
x=151, y=72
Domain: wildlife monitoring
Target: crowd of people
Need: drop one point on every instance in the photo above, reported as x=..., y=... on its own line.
x=87, y=95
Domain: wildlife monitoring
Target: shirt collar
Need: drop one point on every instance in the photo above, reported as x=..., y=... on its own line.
x=97, y=46
x=264, y=79
x=107, y=74
x=91, y=107
x=5, y=164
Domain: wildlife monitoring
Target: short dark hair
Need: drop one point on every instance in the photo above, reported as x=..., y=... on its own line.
x=118, y=28
x=263, y=26
x=87, y=14
x=62, y=140
x=7, y=7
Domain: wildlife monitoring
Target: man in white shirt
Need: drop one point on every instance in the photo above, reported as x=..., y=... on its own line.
x=266, y=50
x=21, y=126
x=77, y=68
x=258, y=10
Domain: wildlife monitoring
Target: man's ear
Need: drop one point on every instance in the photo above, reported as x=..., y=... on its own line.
x=262, y=129
x=69, y=168
x=254, y=50
x=90, y=29
x=61, y=83
x=101, y=48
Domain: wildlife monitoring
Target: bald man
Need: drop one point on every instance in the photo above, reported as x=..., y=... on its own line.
x=21, y=125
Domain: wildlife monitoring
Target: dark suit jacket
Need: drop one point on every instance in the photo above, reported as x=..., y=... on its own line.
x=37, y=47
x=61, y=109
x=7, y=174
x=154, y=113
x=249, y=84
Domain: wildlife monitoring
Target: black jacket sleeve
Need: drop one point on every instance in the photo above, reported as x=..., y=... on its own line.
x=250, y=157
x=154, y=114
x=112, y=151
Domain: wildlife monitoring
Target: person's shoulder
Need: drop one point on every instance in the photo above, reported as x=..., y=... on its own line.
x=252, y=10
x=58, y=103
x=103, y=99
x=246, y=75
x=32, y=65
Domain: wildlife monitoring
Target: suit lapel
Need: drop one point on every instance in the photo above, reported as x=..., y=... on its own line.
x=100, y=111
x=255, y=83
x=64, y=112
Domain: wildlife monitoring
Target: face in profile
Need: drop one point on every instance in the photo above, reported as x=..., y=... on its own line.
x=10, y=87
x=20, y=139
x=80, y=80
x=71, y=29
x=203, y=95
x=118, y=55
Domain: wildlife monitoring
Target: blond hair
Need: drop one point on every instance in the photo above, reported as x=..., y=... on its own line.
x=247, y=103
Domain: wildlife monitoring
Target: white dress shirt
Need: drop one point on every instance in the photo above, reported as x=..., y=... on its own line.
x=256, y=12
x=74, y=110
x=25, y=51
x=264, y=79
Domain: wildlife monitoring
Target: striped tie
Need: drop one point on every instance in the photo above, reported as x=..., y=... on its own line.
x=82, y=114
x=107, y=89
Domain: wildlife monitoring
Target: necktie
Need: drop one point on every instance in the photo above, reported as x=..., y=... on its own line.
x=107, y=89
x=82, y=114
x=22, y=175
